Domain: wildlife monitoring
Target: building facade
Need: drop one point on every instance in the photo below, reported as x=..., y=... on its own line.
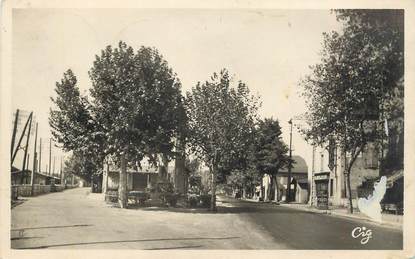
x=145, y=177
x=299, y=183
x=328, y=174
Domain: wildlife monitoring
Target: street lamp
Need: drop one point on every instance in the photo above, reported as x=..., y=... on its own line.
x=288, y=198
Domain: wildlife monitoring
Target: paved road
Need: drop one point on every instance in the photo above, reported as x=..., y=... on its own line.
x=74, y=219
x=308, y=230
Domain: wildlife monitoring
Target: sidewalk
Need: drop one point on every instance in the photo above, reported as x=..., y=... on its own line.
x=391, y=220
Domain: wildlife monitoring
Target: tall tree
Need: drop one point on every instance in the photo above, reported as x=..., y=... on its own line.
x=221, y=120
x=72, y=123
x=136, y=101
x=71, y=120
x=135, y=112
x=346, y=92
x=270, y=151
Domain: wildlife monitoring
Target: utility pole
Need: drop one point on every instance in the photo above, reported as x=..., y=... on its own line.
x=40, y=155
x=27, y=142
x=60, y=175
x=312, y=177
x=50, y=155
x=288, y=199
x=26, y=169
x=16, y=118
x=32, y=177
x=54, y=166
x=20, y=139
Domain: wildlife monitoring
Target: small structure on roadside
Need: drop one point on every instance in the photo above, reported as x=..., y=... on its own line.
x=143, y=178
x=299, y=183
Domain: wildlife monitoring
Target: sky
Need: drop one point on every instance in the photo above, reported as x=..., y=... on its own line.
x=269, y=50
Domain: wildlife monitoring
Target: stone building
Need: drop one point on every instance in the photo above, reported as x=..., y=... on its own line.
x=328, y=163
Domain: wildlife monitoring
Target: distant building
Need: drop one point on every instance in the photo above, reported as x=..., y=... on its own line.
x=299, y=183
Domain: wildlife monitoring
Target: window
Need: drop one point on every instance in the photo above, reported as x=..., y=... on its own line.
x=331, y=187
x=370, y=156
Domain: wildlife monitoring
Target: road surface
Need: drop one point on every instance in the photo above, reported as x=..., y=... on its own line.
x=75, y=219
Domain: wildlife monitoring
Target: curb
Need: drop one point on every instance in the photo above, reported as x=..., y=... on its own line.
x=337, y=214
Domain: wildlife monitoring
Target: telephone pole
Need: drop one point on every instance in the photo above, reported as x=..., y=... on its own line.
x=32, y=177
x=20, y=140
x=27, y=142
x=16, y=118
x=54, y=166
x=40, y=155
x=60, y=175
x=288, y=199
x=50, y=156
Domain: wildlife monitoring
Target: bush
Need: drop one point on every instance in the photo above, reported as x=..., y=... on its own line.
x=111, y=196
x=170, y=199
x=193, y=200
x=205, y=200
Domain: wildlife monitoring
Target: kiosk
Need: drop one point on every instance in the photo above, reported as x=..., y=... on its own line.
x=321, y=181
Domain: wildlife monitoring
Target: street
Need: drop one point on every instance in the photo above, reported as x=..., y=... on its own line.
x=75, y=219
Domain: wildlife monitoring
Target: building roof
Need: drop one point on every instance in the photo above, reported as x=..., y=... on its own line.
x=37, y=173
x=299, y=166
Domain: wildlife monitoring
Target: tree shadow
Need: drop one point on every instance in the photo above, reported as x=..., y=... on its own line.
x=226, y=207
x=175, y=247
x=67, y=226
x=19, y=238
x=17, y=202
x=130, y=241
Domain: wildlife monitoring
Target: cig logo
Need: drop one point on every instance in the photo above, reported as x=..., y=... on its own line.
x=363, y=233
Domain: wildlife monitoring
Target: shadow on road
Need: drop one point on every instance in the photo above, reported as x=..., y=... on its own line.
x=20, y=238
x=228, y=206
x=17, y=202
x=67, y=226
x=130, y=241
x=175, y=247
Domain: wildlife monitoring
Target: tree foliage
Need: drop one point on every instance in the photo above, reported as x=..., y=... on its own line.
x=71, y=121
x=270, y=150
x=136, y=110
x=221, y=121
x=358, y=73
x=81, y=165
x=137, y=101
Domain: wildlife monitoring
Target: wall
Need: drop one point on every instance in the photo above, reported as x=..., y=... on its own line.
x=365, y=166
x=114, y=178
x=26, y=189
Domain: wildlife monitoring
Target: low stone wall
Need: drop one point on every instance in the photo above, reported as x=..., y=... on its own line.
x=25, y=190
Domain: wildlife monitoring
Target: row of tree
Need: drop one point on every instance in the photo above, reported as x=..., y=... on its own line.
x=137, y=111
x=355, y=93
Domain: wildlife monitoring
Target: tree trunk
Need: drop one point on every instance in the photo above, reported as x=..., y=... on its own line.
x=261, y=193
x=349, y=191
x=213, y=198
x=122, y=186
x=275, y=188
x=163, y=168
